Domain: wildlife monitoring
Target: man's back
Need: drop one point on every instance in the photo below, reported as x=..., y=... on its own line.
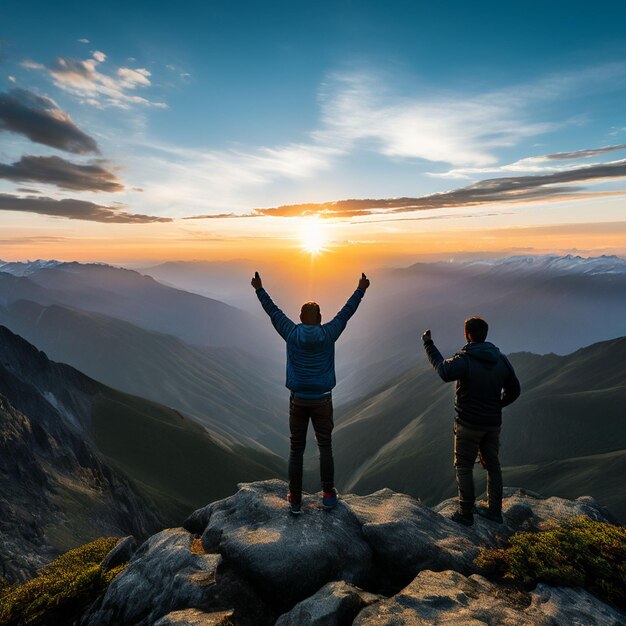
x=310, y=347
x=481, y=372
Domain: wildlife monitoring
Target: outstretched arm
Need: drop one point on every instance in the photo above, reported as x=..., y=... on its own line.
x=448, y=369
x=280, y=321
x=337, y=325
x=511, y=388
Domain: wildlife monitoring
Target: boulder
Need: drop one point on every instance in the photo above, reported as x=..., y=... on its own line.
x=167, y=574
x=453, y=599
x=335, y=604
x=408, y=537
x=194, y=617
x=121, y=553
x=286, y=557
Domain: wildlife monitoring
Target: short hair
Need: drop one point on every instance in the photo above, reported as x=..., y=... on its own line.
x=477, y=328
x=310, y=310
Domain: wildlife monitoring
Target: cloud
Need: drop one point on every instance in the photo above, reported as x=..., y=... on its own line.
x=41, y=120
x=554, y=186
x=54, y=170
x=581, y=154
x=453, y=128
x=31, y=240
x=532, y=164
x=84, y=80
x=83, y=40
x=74, y=209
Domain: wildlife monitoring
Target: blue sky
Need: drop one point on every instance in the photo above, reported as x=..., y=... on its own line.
x=220, y=107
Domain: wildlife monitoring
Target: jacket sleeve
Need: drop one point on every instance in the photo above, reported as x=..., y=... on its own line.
x=336, y=326
x=512, y=388
x=280, y=321
x=448, y=369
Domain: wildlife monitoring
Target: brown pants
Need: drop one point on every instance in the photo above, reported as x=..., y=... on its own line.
x=468, y=444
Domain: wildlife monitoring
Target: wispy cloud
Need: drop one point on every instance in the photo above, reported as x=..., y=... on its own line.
x=545, y=163
x=74, y=209
x=514, y=189
x=54, y=170
x=444, y=127
x=41, y=120
x=85, y=80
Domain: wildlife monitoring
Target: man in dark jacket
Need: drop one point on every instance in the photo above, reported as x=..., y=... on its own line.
x=485, y=382
x=310, y=378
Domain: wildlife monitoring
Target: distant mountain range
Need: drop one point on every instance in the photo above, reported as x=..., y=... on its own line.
x=80, y=459
x=132, y=297
x=537, y=304
x=225, y=389
x=566, y=435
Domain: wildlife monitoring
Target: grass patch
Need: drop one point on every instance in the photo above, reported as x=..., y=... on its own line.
x=63, y=589
x=576, y=553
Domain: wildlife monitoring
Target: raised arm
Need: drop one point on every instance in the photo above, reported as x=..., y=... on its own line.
x=280, y=321
x=448, y=369
x=338, y=324
x=512, y=388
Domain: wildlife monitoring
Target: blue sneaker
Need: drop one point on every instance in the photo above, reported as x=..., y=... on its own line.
x=330, y=499
x=295, y=504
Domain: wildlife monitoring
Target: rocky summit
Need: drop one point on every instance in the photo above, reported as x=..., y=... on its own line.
x=382, y=559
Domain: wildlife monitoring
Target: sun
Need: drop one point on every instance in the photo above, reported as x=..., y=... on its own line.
x=312, y=236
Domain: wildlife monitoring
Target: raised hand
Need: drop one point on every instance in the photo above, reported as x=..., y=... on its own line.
x=426, y=336
x=256, y=282
x=364, y=282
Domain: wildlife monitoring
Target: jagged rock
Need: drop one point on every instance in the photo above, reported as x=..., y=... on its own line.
x=121, y=553
x=165, y=574
x=453, y=599
x=335, y=604
x=194, y=617
x=286, y=557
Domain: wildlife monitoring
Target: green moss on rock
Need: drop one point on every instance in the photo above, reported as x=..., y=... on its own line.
x=63, y=589
x=577, y=553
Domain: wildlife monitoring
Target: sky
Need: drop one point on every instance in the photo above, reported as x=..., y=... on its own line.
x=368, y=131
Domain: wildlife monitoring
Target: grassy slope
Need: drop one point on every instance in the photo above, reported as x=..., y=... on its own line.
x=220, y=387
x=569, y=418
x=169, y=458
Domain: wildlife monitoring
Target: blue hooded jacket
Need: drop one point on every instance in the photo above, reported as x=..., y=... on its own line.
x=310, y=348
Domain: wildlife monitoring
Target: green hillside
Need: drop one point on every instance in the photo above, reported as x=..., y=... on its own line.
x=561, y=437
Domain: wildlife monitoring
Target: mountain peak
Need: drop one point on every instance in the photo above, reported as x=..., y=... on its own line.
x=362, y=563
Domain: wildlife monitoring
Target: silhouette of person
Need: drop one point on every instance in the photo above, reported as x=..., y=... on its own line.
x=485, y=383
x=310, y=378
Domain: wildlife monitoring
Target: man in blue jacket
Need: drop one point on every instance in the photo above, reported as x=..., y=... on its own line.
x=485, y=383
x=310, y=378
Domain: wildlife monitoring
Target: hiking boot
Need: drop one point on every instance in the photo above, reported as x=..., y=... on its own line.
x=467, y=519
x=295, y=504
x=490, y=514
x=330, y=499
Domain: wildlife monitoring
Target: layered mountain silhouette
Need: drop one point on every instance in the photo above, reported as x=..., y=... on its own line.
x=132, y=297
x=538, y=304
x=227, y=390
x=81, y=459
x=566, y=435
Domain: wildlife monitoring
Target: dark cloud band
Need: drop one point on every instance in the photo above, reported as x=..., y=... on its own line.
x=54, y=170
x=41, y=120
x=553, y=186
x=74, y=209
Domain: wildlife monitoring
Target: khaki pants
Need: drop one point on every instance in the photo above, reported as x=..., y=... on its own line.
x=468, y=444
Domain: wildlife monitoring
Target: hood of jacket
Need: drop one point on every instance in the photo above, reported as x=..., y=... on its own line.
x=310, y=335
x=483, y=351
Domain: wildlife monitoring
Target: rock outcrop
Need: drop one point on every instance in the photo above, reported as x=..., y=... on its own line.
x=381, y=559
